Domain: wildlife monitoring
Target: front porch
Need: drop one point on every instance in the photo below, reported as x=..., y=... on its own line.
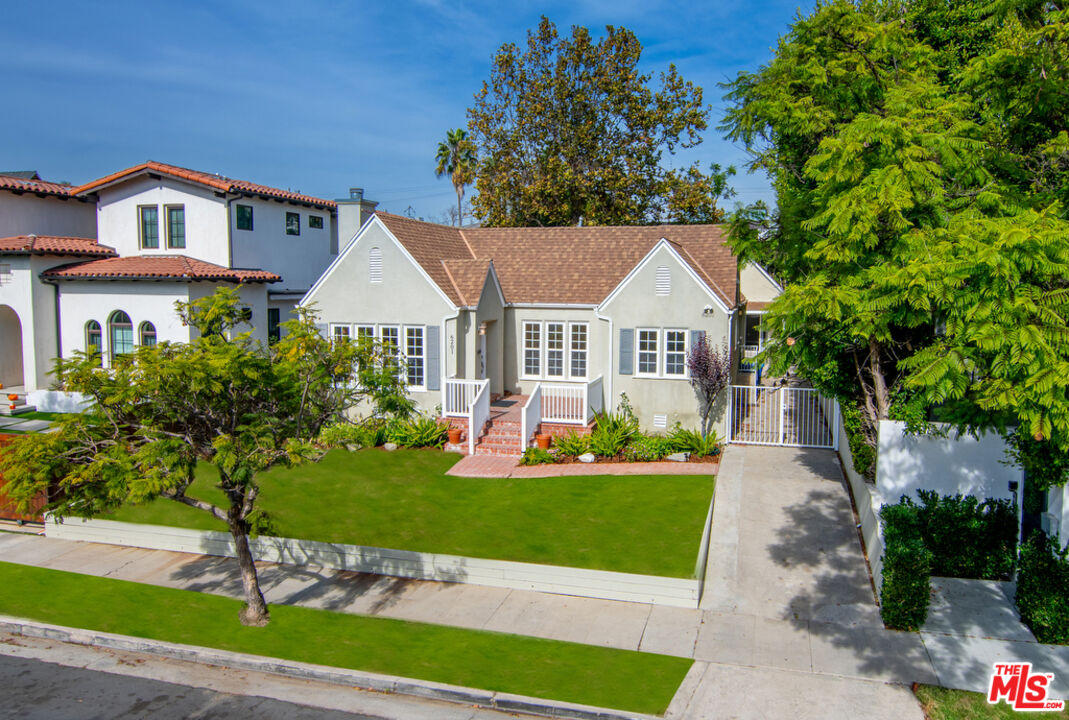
x=507, y=425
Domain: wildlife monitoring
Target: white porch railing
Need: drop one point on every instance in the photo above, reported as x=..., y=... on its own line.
x=572, y=403
x=458, y=395
x=531, y=416
x=478, y=414
x=749, y=351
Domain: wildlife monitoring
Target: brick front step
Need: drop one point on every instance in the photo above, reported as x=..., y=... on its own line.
x=479, y=450
x=504, y=447
x=505, y=424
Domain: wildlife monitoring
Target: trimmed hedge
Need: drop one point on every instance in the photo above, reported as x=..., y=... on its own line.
x=969, y=538
x=1043, y=589
x=907, y=564
x=862, y=454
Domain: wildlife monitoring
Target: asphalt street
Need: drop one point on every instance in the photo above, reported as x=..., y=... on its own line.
x=35, y=690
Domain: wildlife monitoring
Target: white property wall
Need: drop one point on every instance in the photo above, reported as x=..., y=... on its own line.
x=1057, y=520
x=949, y=465
x=868, y=501
x=118, y=220
x=28, y=214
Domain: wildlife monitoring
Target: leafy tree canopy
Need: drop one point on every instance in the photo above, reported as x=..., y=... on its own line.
x=569, y=130
x=919, y=171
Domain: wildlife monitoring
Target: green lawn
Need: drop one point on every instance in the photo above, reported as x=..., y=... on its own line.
x=639, y=524
x=638, y=682
x=945, y=704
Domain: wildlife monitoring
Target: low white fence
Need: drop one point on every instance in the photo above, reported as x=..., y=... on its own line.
x=678, y=592
x=458, y=395
x=595, y=398
x=798, y=417
x=531, y=416
x=478, y=414
x=564, y=403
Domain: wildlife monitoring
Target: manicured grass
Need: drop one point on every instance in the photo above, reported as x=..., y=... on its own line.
x=38, y=415
x=626, y=680
x=944, y=704
x=638, y=524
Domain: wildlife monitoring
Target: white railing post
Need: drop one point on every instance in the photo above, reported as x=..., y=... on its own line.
x=531, y=417
x=478, y=413
x=595, y=399
x=782, y=395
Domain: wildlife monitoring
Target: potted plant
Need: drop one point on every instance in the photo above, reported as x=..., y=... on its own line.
x=12, y=397
x=454, y=436
x=543, y=440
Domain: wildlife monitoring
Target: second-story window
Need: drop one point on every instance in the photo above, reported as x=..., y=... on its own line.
x=149, y=220
x=244, y=217
x=293, y=223
x=176, y=226
x=315, y=221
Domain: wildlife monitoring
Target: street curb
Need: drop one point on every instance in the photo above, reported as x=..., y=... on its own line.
x=360, y=680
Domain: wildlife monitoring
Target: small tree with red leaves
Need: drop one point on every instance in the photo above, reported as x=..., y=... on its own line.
x=710, y=374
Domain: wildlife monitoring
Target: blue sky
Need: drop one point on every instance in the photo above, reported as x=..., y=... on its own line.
x=317, y=96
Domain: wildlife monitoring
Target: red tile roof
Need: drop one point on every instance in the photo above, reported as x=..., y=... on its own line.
x=157, y=267
x=19, y=184
x=570, y=265
x=216, y=182
x=53, y=245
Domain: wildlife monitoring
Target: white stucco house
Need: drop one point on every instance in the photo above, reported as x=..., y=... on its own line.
x=102, y=264
x=549, y=324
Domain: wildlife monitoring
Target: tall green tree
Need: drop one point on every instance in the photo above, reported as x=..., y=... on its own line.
x=223, y=399
x=456, y=157
x=922, y=272
x=568, y=130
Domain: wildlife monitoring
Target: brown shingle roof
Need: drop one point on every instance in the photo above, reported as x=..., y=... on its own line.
x=571, y=265
x=468, y=278
x=21, y=184
x=157, y=267
x=217, y=182
x=53, y=245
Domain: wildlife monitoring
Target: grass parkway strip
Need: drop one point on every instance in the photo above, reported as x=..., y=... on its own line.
x=650, y=525
x=569, y=672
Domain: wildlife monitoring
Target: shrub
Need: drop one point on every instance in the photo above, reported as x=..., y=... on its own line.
x=904, y=593
x=571, y=444
x=609, y=441
x=648, y=448
x=369, y=433
x=968, y=538
x=420, y=431
x=1043, y=589
x=861, y=452
x=691, y=441
x=536, y=456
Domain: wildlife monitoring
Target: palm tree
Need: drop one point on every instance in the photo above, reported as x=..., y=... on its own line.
x=456, y=158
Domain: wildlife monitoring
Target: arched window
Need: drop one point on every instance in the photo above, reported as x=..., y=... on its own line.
x=148, y=334
x=120, y=335
x=374, y=265
x=93, y=338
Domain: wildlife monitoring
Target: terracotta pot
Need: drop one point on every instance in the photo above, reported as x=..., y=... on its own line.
x=454, y=436
x=12, y=397
x=543, y=440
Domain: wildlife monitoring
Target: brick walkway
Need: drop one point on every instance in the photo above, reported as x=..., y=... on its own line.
x=489, y=466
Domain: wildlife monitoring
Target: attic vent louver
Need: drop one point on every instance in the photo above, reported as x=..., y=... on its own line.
x=374, y=265
x=664, y=280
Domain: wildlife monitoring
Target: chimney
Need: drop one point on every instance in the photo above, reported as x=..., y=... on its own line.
x=353, y=212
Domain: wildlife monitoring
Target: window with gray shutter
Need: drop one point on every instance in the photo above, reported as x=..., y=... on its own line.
x=695, y=337
x=434, y=354
x=627, y=350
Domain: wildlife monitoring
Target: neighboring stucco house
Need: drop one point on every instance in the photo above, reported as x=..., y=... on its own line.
x=104, y=263
x=566, y=320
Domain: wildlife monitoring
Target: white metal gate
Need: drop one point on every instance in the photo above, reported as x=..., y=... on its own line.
x=799, y=417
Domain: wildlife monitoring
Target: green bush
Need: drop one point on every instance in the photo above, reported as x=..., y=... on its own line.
x=623, y=423
x=536, y=456
x=571, y=444
x=369, y=433
x=691, y=441
x=417, y=432
x=648, y=448
x=609, y=441
x=863, y=454
x=907, y=564
x=1043, y=589
x=968, y=538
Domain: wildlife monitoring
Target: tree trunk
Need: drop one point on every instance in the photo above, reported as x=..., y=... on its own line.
x=255, y=610
x=460, y=205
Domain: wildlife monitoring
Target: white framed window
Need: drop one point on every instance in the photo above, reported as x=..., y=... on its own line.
x=147, y=333
x=554, y=349
x=577, y=354
x=365, y=334
x=648, y=355
x=390, y=337
x=675, y=353
x=340, y=332
x=415, y=357
x=532, y=349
